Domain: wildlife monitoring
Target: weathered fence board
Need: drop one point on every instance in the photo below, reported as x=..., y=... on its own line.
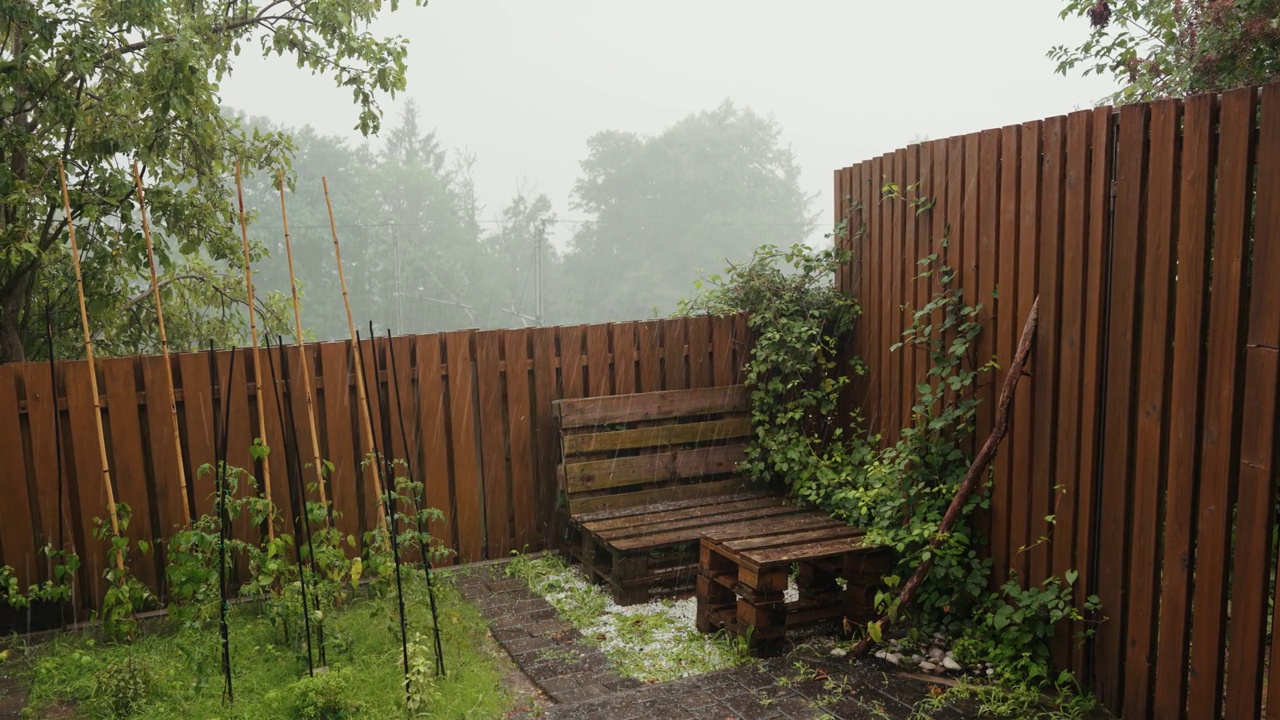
x=1143, y=453
x=476, y=412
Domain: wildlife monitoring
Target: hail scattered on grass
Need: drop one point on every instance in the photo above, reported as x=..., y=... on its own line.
x=651, y=642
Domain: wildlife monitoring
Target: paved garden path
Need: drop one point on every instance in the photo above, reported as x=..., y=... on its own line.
x=802, y=685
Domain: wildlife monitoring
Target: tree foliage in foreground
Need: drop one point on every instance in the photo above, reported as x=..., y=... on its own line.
x=1174, y=48
x=101, y=84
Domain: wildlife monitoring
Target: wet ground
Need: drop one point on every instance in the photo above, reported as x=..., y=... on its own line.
x=806, y=683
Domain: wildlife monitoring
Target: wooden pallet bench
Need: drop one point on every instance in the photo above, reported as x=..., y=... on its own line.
x=644, y=475
x=743, y=578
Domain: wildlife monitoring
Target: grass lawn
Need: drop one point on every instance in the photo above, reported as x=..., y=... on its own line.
x=173, y=672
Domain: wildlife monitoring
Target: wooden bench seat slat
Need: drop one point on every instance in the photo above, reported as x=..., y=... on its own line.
x=667, y=404
x=692, y=534
x=809, y=520
x=641, y=497
x=643, y=520
x=658, y=436
x=774, y=541
x=625, y=513
x=695, y=525
x=794, y=553
x=620, y=472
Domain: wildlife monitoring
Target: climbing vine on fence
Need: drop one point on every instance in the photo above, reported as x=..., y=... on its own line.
x=897, y=493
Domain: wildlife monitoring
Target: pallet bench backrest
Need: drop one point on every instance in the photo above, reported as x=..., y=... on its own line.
x=623, y=451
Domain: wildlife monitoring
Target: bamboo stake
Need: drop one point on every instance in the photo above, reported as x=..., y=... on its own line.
x=257, y=360
x=164, y=345
x=302, y=351
x=361, y=394
x=93, y=375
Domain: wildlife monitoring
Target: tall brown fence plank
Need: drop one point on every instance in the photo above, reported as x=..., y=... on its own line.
x=467, y=487
x=624, y=357
x=699, y=351
x=721, y=350
x=546, y=392
x=1097, y=268
x=1007, y=321
x=1023, y=418
x=164, y=448
x=878, y=347
x=370, y=482
x=675, y=366
x=1157, y=263
x=986, y=268
x=1220, y=440
x=599, y=378
x=44, y=428
x=1257, y=492
x=277, y=458
x=433, y=412
x=1195, y=198
x=1045, y=366
x=493, y=445
x=89, y=497
x=911, y=254
x=1070, y=342
x=197, y=428
x=124, y=434
x=515, y=346
x=897, y=249
x=1117, y=447
x=17, y=537
x=339, y=436
x=649, y=344
x=573, y=361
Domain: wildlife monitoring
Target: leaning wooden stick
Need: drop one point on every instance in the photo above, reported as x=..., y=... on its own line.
x=361, y=397
x=302, y=351
x=257, y=360
x=164, y=345
x=93, y=375
x=971, y=479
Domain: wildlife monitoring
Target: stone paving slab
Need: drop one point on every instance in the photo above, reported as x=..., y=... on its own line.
x=806, y=684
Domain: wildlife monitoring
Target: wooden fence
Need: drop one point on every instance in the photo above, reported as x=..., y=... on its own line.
x=477, y=410
x=1147, y=427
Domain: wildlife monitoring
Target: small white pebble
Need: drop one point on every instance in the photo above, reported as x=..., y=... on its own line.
x=928, y=666
x=950, y=664
x=894, y=658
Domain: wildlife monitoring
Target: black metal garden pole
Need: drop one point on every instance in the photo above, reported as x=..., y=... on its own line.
x=394, y=377
x=220, y=469
x=291, y=472
x=388, y=497
x=302, y=491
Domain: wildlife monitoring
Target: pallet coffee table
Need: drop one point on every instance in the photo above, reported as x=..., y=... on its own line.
x=743, y=577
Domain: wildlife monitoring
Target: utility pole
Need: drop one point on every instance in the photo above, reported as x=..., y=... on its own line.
x=395, y=241
x=539, y=241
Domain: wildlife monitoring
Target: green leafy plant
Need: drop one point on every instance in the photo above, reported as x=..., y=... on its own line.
x=122, y=687
x=125, y=595
x=1013, y=627
x=797, y=319
x=327, y=696
x=897, y=493
x=1159, y=48
x=423, y=692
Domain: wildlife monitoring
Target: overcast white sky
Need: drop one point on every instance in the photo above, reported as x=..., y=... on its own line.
x=522, y=84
